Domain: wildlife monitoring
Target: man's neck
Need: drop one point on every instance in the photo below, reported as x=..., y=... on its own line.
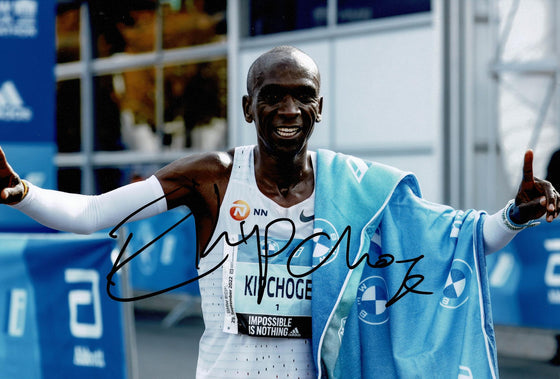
x=285, y=179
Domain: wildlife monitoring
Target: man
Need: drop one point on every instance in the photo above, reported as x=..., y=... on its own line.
x=553, y=169
x=276, y=222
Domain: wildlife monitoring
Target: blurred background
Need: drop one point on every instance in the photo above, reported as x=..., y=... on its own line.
x=96, y=94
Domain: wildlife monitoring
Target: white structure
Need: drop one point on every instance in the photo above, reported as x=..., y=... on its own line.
x=455, y=94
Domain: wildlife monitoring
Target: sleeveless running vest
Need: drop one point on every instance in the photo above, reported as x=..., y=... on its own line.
x=256, y=300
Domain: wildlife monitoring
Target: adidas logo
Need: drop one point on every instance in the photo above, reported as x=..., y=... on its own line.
x=12, y=107
x=294, y=333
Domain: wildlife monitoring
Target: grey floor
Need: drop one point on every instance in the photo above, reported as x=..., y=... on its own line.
x=171, y=353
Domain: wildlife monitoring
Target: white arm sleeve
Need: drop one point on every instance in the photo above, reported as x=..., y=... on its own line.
x=85, y=214
x=496, y=234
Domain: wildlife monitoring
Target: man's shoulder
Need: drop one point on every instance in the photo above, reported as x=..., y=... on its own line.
x=200, y=167
x=214, y=165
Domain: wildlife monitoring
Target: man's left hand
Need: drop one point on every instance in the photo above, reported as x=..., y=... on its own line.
x=535, y=197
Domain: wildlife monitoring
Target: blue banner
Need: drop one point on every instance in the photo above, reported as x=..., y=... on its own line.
x=525, y=279
x=27, y=82
x=27, y=97
x=168, y=262
x=57, y=320
x=33, y=162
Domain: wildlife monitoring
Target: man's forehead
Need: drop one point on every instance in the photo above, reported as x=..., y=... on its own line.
x=294, y=61
x=283, y=65
x=286, y=69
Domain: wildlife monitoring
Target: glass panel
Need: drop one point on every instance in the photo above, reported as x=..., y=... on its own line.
x=122, y=26
x=68, y=116
x=106, y=179
x=360, y=10
x=195, y=105
x=268, y=17
x=67, y=32
x=69, y=180
x=193, y=22
x=126, y=111
x=107, y=115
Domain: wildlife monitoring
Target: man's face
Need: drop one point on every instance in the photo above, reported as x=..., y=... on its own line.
x=285, y=103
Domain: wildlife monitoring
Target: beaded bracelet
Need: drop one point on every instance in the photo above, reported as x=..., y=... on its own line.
x=512, y=225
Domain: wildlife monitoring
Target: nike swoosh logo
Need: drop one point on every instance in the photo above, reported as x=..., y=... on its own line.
x=304, y=218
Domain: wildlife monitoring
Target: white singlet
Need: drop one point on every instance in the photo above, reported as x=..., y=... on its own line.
x=256, y=332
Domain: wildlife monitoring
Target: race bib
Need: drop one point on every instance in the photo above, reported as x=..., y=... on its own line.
x=265, y=292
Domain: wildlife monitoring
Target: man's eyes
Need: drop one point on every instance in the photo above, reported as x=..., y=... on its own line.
x=305, y=97
x=272, y=98
x=276, y=97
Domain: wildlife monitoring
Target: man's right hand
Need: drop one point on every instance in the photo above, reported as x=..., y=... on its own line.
x=12, y=189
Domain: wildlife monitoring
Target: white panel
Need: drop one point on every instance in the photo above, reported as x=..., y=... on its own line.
x=386, y=88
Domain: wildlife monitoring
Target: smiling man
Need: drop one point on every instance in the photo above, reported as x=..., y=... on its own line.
x=394, y=285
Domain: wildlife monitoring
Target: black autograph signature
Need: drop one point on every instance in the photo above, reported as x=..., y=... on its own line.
x=408, y=285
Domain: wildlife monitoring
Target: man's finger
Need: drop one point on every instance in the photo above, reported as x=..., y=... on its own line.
x=3, y=161
x=528, y=168
x=4, y=194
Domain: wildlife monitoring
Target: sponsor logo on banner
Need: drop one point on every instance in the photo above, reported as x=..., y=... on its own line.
x=18, y=311
x=12, y=107
x=18, y=18
x=552, y=271
x=79, y=301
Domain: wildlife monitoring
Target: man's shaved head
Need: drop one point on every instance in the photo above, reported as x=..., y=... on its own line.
x=288, y=54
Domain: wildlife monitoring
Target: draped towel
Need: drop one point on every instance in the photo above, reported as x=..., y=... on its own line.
x=421, y=307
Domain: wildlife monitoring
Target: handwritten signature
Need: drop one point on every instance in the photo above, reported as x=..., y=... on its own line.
x=408, y=285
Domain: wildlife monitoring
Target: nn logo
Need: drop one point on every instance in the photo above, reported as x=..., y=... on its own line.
x=240, y=210
x=12, y=107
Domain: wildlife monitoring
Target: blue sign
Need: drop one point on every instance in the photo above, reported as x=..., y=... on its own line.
x=525, y=279
x=27, y=82
x=57, y=320
x=168, y=262
x=34, y=162
x=27, y=97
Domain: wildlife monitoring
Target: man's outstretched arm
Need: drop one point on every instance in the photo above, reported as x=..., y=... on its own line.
x=535, y=198
x=77, y=213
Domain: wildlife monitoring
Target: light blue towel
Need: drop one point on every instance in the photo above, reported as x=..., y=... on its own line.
x=429, y=263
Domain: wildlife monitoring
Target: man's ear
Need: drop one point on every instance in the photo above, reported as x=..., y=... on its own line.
x=320, y=110
x=247, y=109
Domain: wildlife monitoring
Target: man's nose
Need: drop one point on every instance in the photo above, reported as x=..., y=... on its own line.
x=288, y=107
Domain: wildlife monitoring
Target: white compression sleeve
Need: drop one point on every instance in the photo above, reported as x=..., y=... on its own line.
x=85, y=214
x=496, y=234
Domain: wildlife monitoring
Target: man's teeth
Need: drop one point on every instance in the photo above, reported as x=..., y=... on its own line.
x=287, y=132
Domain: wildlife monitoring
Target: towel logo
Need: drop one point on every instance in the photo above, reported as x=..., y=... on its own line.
x=372, y=299
x=465, y=373
x=456, y=291
x=341, y=328
x=358, y=168
x=324, y=244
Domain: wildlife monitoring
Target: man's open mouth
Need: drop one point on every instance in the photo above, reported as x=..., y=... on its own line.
x=287, y=132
